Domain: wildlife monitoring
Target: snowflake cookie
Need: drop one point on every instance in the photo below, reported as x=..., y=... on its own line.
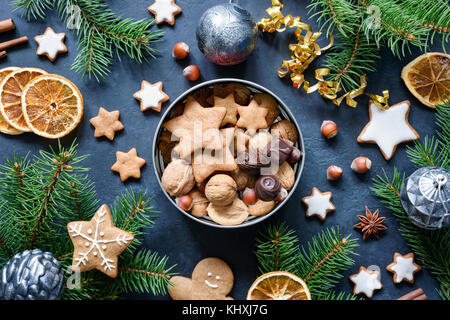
x=164, y=11
x=98, y=243
x=388, y=128
x=151, y=96
x=366, y=282
x=403, y=267
x=50, y=44
x=318, y=204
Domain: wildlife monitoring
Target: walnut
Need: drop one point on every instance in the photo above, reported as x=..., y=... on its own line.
x=241, y=94
x=240, y=177
x=261, y=208
x=286, y=175
x=285, y=129
x=199, y=203
x=230, y=215
x=177, y=178
x=221, y=190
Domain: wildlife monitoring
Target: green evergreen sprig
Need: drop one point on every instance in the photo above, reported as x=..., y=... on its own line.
x=39, y=196
x=101, y=34
x=431, y=247
x=319, y=262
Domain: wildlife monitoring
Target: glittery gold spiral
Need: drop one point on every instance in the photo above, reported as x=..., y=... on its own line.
x=305, y=51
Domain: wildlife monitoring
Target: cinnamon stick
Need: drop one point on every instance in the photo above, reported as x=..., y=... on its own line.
x=12, y=43
x=421, y=297
x=7, y=25
x=3, y=54
x=413, y=294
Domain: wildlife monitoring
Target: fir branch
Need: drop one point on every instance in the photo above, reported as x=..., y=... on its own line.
x=35, y=9
x=332, y=295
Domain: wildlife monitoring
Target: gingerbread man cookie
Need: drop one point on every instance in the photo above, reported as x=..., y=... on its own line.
x=403, y=267
x=164, y=11
x=318, y=204
x=212, y=279
x=50, y=44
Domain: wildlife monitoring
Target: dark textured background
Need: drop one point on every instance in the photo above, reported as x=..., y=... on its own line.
x=183, y=240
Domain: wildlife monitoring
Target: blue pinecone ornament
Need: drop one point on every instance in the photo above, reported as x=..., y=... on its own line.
x=32, y=275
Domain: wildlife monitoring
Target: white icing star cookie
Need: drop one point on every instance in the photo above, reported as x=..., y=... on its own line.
x=388, y=128
x=50, y=44
x=366, y=282
x=318, y=204
x=151, y=96
x=403, y=267
x=164, y=11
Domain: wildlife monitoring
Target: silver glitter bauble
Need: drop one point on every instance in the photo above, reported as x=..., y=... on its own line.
x=425, y=197
x=227, y=34
x=32, y=275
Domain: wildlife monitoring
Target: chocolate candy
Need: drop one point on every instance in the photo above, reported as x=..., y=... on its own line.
x=252, y=162
x=295, y=156
x=267, y=187
x=279, y=150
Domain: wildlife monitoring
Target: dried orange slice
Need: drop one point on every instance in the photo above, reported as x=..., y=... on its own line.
x=4, y=126
x=279, y=285
x=428, y=78
x=11, y=94
x=52, y=106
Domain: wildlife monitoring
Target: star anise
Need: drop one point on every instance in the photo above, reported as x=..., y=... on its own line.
x=370, y=223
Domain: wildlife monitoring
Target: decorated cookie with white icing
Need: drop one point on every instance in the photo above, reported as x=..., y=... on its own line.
x=388, y=128
x=50, y=44
x=212, y=279
x=164, y=11
x=403, y=267
x=366, y=282
x=151, y=96
x=318, y=204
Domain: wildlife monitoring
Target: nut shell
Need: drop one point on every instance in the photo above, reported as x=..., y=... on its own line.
x=285, y=129
x=261, y=208
x=177, y=178
x=199, y=204
x=221, y=190
x=361, y=164
x=240, y=177
x=329, y=129
x=286, y=175
x=230, y=215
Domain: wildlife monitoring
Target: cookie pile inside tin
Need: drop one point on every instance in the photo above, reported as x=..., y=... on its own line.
x=228, y=154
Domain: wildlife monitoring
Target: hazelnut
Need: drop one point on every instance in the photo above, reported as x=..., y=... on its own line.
x=192, y=72
x=261, y=208
x=180, y=50
x=329, y=129
x=184, y=202
x=177, y=178
x=361, y=164
x=249, y=196
x=221, y=190
x=281, y=196
x=199, y=203
x=334, y=173
x=240, y=177
x=285, y=129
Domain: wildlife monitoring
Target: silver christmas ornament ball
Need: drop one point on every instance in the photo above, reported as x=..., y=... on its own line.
x=425, y=197
x=227, y=34
x=32, y=275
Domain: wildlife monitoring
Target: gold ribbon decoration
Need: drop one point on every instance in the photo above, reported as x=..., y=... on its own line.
x=305, y=51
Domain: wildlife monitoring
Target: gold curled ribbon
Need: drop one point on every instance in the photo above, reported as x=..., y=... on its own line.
x=305, y=51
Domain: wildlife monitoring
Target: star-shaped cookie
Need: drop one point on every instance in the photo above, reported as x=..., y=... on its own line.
x=151, y=96
x=403, y=267
x=164, y=11
x=128, y=164
x=98, y=243
x=231, y=107
x=252, y=117
x=220, y=159
x=106, y=123
x=50, y=44
x=197, y=127
x=366, y=282
x=318, y=204
x=388, y=128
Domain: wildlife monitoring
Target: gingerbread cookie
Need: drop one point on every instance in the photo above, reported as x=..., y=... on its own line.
x=231, y=107
x=50, y=44
x=241, y=93
x=388, y=128
x=318, y=204
x=230, y=215
x=151, y=96
x=285, y=129
x=261, y=208
x=403, y=267
x=128, y=164
x=212, y=279
x=98, y=243
x=252, y=117
x=366, y=282
x=267, y=101
x=106, y=123
x=164, y=11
